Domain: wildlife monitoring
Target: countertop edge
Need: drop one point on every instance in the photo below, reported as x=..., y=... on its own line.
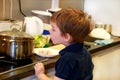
x=29, y=70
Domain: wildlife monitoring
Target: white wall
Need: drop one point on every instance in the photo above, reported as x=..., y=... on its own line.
x=106, y=12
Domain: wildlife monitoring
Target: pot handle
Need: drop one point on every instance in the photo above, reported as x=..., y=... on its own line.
x=3, y=43
x=15, y=27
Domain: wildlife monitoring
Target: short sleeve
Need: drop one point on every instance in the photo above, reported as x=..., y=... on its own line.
x=64, y=67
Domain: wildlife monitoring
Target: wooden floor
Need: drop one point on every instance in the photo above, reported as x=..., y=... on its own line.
x=107, y=64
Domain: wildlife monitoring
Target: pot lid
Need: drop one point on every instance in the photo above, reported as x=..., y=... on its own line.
x=15, y=33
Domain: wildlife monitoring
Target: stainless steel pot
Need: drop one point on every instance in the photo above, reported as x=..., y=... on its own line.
x=15, y=44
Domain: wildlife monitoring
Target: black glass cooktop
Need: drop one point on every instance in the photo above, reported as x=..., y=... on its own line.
x=6, y=64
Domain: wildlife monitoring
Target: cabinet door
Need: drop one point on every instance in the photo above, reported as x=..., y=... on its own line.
x=107, y=64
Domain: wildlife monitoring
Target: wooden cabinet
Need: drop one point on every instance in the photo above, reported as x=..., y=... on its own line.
x=107, y=64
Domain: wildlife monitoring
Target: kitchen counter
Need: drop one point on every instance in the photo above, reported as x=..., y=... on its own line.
x=27, y=70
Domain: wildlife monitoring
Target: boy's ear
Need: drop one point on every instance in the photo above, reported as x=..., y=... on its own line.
x=68, y=38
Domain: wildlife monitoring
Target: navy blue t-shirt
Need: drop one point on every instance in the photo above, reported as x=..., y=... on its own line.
x=74, y=63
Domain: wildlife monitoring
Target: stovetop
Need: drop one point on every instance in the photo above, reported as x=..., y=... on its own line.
x=6, y=64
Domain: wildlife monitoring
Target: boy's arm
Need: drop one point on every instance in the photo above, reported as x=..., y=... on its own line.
x=40, y=73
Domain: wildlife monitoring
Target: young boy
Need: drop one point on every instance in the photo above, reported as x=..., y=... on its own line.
x=70, y=27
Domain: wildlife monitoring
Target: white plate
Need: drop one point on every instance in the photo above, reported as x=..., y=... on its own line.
x=46, y=52
x=42, y=12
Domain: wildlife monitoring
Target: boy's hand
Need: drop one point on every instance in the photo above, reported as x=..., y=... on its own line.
x=39, y=69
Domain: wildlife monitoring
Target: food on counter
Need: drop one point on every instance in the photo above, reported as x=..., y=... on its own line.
x=46, y=52
x=40, y=41
x=100, y=33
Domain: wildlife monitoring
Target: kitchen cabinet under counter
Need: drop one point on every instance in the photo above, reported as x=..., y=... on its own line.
x=28, y=70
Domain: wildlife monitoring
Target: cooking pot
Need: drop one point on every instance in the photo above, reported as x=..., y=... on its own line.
x=15, y=45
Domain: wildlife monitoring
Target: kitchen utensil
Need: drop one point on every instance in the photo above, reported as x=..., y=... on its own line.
x=108, y=27
x=99, y=25
x=33, y=25
x=15, y=45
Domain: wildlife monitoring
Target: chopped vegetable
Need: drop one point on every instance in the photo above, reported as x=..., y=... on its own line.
x=39, y=41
